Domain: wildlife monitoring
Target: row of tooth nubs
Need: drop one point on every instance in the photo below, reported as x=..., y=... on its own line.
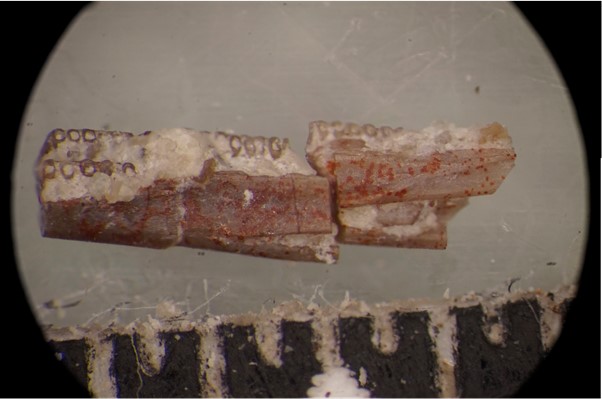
x=88, y=168
x=340, y=130
x=58, y=136
x=51, y=168
x=240, y=146
x=250, y=146
x=254, y=146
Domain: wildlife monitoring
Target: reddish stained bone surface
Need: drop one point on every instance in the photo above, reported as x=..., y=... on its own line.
x=220, y=216
x=285, y=216
x=214, y=209
x=238, y=205
x=151, y=219
x=313, y=203
x=377, y=178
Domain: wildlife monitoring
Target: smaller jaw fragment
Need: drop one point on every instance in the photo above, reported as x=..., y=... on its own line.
x=371, y=165
x=395, y=187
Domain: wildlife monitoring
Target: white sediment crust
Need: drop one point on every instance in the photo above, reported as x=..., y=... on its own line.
x=161, y=154
x=438, y=137
x=366, y=217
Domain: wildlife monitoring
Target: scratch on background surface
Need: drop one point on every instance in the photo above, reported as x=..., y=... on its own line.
x=508, y=229
x=472, y=30
x=283, y=99
x=209, y=299
x=354, y=25
x=547, y=82
x=331, y=57
x=114, y=309
x=71, y=299
x=438, y=57
x=504, y=225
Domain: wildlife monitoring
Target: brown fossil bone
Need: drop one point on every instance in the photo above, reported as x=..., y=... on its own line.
x=396, y=187
x=253, y=195
x=241, y=194
x=369, y=165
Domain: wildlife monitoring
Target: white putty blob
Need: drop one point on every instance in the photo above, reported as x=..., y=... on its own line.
x=337, y=382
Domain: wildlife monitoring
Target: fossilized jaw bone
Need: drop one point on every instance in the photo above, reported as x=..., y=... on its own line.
x=253, y=195
x=113, y=166
x=396, y=187
x=371, y=165
x=180, y=187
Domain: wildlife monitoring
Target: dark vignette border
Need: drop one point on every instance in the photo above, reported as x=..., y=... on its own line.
x=31, y=30
x=566, y=29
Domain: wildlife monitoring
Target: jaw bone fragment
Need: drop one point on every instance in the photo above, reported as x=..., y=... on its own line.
x=253, y=195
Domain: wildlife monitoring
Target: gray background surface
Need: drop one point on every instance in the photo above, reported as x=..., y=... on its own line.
x=269, y=69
